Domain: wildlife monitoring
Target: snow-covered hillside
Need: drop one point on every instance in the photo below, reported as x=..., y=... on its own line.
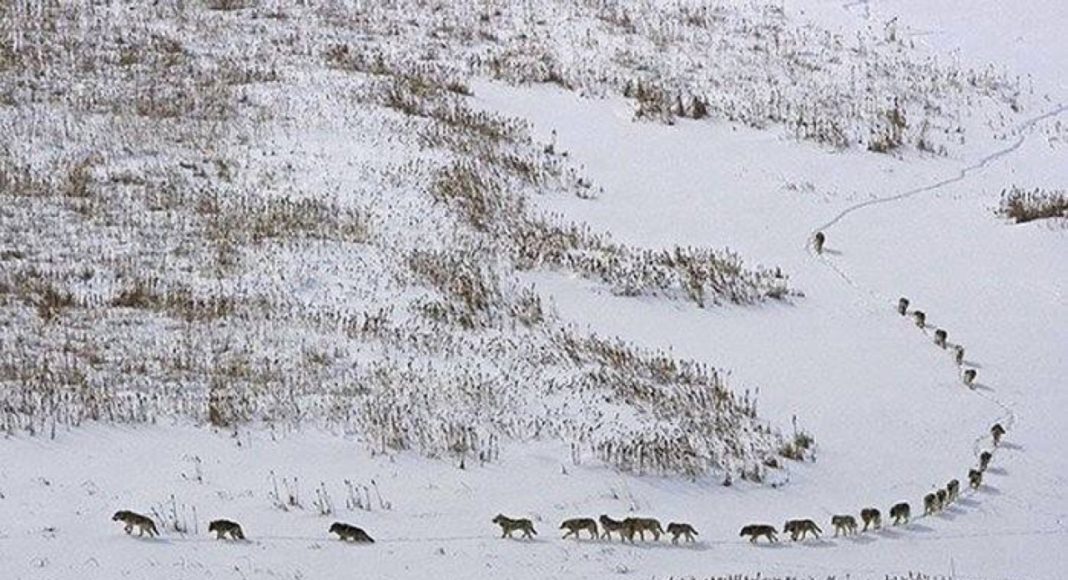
x=409, y=265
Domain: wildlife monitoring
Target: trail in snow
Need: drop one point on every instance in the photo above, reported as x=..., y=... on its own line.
x=1010, y=417
x=1023, y=129
x=966, y=493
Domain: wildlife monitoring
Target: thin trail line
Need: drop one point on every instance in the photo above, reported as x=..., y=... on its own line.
x=1022, y=129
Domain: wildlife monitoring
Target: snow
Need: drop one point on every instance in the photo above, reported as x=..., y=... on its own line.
x=891, y=418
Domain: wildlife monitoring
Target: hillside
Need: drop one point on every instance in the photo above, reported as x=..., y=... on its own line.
x=412, y=264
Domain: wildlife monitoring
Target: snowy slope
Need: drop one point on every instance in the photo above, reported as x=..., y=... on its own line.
x=890, y=415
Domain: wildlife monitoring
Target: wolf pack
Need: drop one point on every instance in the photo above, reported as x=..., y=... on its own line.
x=799, y=529
x=224, y=529
x=629, y=528
x=626, y=528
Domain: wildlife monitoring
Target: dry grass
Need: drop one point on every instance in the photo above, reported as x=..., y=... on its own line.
x=1025, y=205
x=174, y=246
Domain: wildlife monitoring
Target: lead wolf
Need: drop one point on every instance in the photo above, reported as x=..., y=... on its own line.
x=222, y=528
x=347, y=532
x=131, y=519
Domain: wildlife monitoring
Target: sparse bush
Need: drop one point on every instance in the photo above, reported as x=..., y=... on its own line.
x=889, y=133
x=1025, y=205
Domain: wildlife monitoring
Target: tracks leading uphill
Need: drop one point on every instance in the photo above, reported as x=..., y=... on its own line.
x=1022, y=130
x=1009, y=416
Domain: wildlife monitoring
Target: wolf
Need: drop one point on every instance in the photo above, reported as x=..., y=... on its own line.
x=958, y=354
x=952, y=490
x=900, y=512
x=969, y=377
x=801, y=528
x=975, y=478
x=224, y=527
x=943, y=499
x=346, y=532
x=871, y=516
x=818, y=242
x=919, y=318
x=131, y=519
x=609, y=525
x=509, y=525
x=677, y=529
x=754, y=531
x=902, y=306
x=984, y=460
x=997, y=432
x=940, y=338
x=844, y=524
x=576, y=525
x=930, y=504
x=641, y=525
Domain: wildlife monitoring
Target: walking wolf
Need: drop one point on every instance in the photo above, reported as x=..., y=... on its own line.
x=677, y=529
x=952, y=490
x=609, y=525
x=800, y=528
x=845, y=524
x=132, y=520
x=900, y=512
x=930, y=504
x=984, y=460
x=969, y=377
x=871, y=516
x=226, y=527
x=754, y=531
x=509, y=525
x=576, y=525
x=997, y=432
x=641, y=525
x=347, y=532
x=940, y=338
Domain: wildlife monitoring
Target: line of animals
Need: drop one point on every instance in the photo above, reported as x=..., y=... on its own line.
x=932, y=502
x=940, y=336
x=920, y=318
x=843, y=524
x=627, y=528
x=224, y=528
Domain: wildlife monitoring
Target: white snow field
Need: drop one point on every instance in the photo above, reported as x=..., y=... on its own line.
x=192, y=409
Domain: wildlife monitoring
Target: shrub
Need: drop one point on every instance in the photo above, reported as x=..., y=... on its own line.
x=1023, y=205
